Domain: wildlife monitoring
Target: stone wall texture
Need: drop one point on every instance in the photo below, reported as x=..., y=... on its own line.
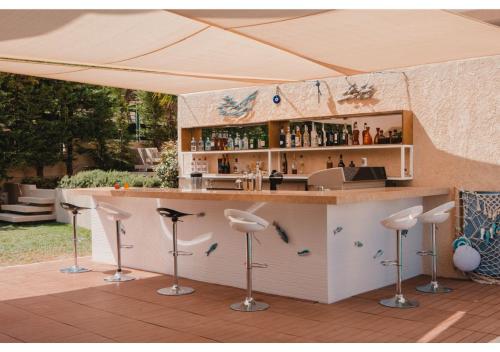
x=456, y=127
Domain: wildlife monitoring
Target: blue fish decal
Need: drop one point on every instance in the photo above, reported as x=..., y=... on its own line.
x=358, y=244
x=212, y=248
x=378, y=254
x=304, y=252
x=281, y=232
x=337, y=230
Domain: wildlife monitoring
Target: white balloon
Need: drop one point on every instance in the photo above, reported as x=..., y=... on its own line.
x=466, y=258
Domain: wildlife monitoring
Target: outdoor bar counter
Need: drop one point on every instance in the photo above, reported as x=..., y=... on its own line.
x=340, y=229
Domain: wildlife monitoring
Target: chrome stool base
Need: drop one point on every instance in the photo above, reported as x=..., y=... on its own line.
x=249, y=306
x=433, y=287
x=175, y=291
x=119, y=277
x=398, y=301
x=74, y=269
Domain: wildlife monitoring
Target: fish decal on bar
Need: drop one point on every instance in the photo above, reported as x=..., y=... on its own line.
x=337, y=230
x=378, y=254
x=358, y=244
x=212, y=248
x=281, y=232
x=304, y=252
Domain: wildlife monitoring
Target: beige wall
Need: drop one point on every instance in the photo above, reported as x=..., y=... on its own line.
x=456, y=127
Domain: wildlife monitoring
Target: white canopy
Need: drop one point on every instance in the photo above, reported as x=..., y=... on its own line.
x=190, y=51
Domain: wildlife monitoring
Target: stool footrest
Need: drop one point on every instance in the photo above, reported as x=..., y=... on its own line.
x=181, y=253
x=423, y=253
x=389, y=262
x=259, y=265
x=127, y=246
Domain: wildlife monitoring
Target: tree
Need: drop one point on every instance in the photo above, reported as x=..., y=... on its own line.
x=158, y=114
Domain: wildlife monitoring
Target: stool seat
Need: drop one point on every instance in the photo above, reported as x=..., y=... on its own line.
x=72, y=207
x=112, y=212
x=403, y=220
x=437, y=215
x=171, y=213
x=244, y=221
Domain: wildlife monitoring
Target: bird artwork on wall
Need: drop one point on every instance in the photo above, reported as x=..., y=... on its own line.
x=231, y=108
x=353, y=92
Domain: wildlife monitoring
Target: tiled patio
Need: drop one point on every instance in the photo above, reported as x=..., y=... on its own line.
x=38, y=304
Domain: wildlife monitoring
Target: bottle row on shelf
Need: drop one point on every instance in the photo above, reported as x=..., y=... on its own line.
x=228, y=139
x=335, y=135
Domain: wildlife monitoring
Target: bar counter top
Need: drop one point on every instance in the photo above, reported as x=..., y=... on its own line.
x=284, y=196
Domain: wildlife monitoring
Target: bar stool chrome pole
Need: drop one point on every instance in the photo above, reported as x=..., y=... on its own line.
x=435, y=216
x=400, y=221
x=248, y=223
x=175, y=289
x=117, y=215
x=75, y=268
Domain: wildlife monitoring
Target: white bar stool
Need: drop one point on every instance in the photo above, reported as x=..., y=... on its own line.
x=248, y=223
x=75, y=210
x=435, y=216
x=175, y=289
x=117, y=215
x=403, y=220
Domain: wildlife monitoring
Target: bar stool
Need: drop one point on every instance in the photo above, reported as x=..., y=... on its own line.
x=175, y=289
x=248, y=223
x=117, y=215
x=435, y=216
x=400, y=221
x=75, y=210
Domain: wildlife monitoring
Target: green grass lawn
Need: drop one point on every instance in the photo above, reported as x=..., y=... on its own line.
x=31, y=243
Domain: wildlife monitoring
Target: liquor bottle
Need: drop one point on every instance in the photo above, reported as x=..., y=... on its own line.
x=345, y=135
x=218, y=141
x=193, y=164
x=341, y=162
x=336, y=135
x=220, y=168
x=329, y=163
x=282, y=138
x=258, y=177
x=306, y=137
x=294, y=165
x=288, y=138
x=208, y=145
x=324, y=138
x=390, y=137
x=230, y=143
x=284, y=165
x=245, y=141
x=292, y=138
x=237, y=142
x=298, y=137
x=376, y=140
x=212, y=142
x=201, y=144
x=236, y=166
x=251, y=142
x=228, y=166
x=301, y=164
x=367, y=137
x=193, y=145
x=355, y=134
x=363, y=133
x=314, y=136
x=329, y=138
x=263, y=139
x=351, y=164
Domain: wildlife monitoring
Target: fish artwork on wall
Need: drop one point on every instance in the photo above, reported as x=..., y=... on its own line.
x=358, y=244
x=281, y=232
x=337, y=230
x=304, y=252
x=212, y=248
x=231, y=108
x=378, y=254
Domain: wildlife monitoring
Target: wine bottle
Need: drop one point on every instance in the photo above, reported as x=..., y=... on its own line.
x=284, y=165
x=294, y=165
x=314, y=136
x=292, y=138
x=288, y=138
x=201, y=144
x=341, y=162
x=324, y=138
x=306, y=137
x=282, y=138
x=301, y=164
x=208, y=145
x=237, y=142
x=355, y=134
x=298, y=137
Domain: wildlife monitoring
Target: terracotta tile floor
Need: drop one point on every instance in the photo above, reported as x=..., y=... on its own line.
x=39, y=304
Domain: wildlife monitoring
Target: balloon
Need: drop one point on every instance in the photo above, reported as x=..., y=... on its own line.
x=466, y=258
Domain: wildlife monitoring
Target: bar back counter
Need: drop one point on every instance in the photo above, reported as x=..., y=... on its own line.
x=335, y=248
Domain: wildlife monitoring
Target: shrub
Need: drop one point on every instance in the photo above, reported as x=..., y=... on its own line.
x=168, y=168
x=42, y=182
x=100, y=178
